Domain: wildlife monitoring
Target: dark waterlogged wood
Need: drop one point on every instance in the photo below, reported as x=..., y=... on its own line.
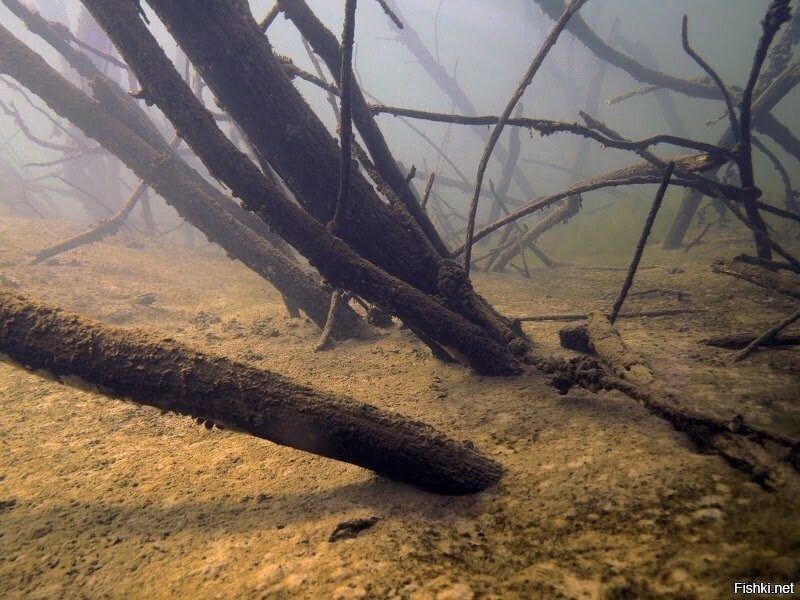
x=742, y=445
x=336, y=260
x=124, y=129
x=173, y=377
x=489, y=343
x=637, y=255
x=741, y=340
x=766, y=336
x=327, y=47
x=774, y=281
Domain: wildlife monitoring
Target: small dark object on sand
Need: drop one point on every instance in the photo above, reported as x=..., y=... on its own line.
x=350, y=529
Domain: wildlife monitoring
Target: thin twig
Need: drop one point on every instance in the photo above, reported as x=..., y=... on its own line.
x=98, y=53
x=47, y=114
x=83, y=191
x=325, y=342
x=98, y=232
x=411, y=174
x=321, y=75
x=696, y=240
x=777, y=14
x=789, y=194
x=510, y=166
x=515, y=228
x=390, y=14
x=269, y=17
x=648, y=226
x=711, y=73
x=636, y=174
x=549, y=42
x=57, y=161
x=772, y=243
x=547, y=127
x=427, y=191
x=292, y=70
x=11, y=110
x=579, y=28
x=639, y=91
x=103, y=228
x=766, y=336
x=710, y=187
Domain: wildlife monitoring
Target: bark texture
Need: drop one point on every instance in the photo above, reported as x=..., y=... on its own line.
x=770, y=458
x=123, y=128
x=173, y=377
x=439, y=313
x=237, y=63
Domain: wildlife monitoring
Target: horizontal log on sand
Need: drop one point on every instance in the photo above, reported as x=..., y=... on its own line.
x=774, y=281
x=163, y=373
x=666, y=312
x=737, y=341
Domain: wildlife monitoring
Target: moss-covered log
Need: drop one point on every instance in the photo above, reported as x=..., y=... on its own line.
x=173, y=377
x=775, y=281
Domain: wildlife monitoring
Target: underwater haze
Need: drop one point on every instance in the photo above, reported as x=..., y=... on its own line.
x=413, y=299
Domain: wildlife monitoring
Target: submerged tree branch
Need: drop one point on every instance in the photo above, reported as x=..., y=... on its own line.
x=547, y=127
x=573, y=7
x=345, y=118
x=637, y=255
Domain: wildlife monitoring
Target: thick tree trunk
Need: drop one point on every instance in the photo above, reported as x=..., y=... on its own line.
x=178, y=187
x=242, y=234
x=325, y=44
x=281, y=127
x=162, y=373
x=291, y=138
x=335, y=259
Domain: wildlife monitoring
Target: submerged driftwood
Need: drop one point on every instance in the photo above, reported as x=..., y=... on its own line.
x=121, y=127
x=775, y=281
x=765, y=455
x=173, y=377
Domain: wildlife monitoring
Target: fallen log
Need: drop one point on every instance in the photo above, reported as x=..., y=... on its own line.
x=774, y=281
x=173, y=377
x=766, y=336
x=741, y=340
x=667, y=312
x=764, y=454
